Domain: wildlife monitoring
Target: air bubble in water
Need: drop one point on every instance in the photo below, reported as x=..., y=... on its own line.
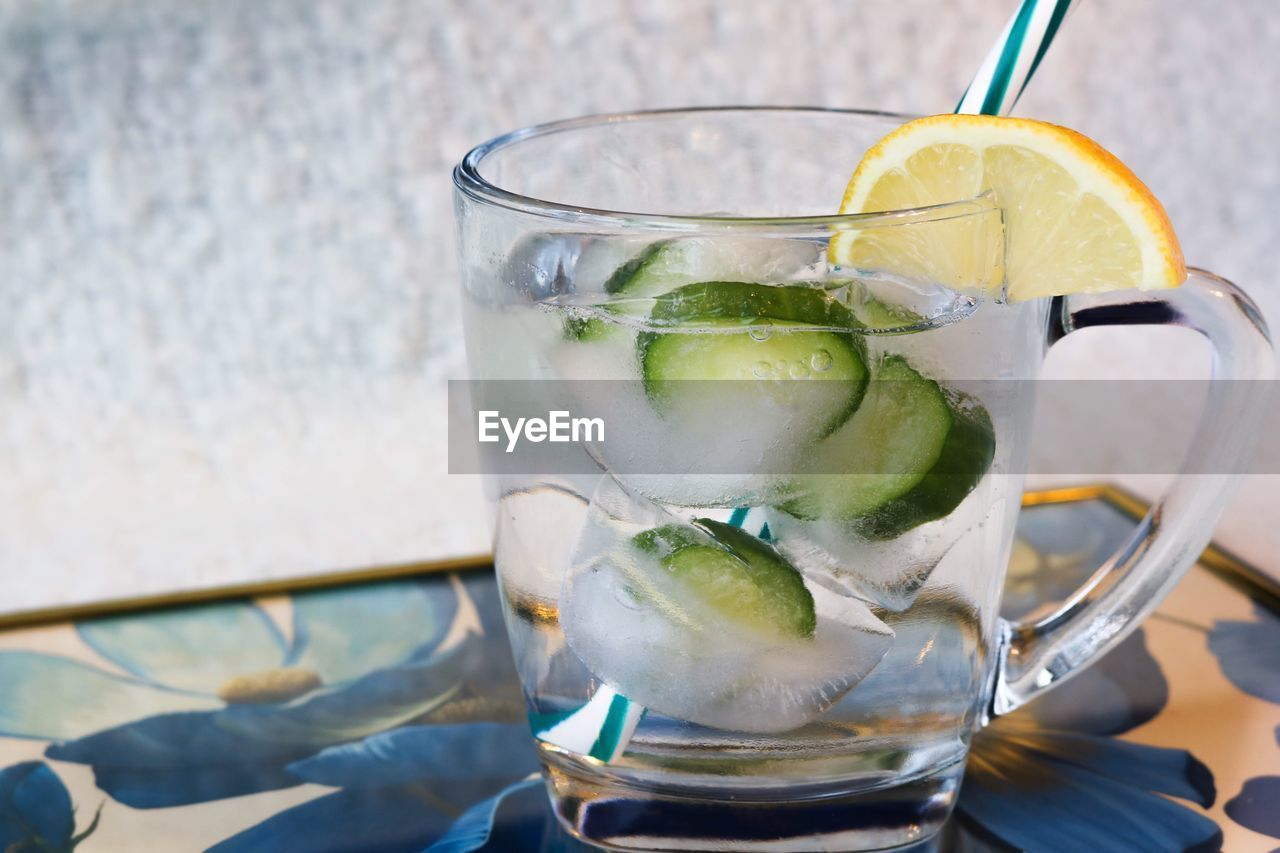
x=761, y=370
x=820, y=360
x=760, y=331
x=799, y=370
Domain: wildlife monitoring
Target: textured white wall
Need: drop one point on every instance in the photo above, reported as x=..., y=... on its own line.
x=226, y=267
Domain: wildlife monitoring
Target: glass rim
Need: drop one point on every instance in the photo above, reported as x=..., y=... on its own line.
x=468, y=181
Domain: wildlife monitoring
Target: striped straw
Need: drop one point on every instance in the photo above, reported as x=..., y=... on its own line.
x=1014, y=57
x=600, y=729
x=603, y=726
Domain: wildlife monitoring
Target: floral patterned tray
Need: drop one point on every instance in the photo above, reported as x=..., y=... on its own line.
x=384, y=716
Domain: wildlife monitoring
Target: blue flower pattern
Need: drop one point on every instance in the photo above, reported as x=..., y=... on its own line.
x=1056, y=764
x=36, y=812
x=1249, y=654
x=199, y=714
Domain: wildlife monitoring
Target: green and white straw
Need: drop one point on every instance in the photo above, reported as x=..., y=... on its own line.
x=1014, y=57
x=603, y=726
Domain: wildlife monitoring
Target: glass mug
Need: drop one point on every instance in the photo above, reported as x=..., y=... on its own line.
x=725, y=658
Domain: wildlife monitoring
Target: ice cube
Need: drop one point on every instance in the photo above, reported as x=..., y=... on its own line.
x=935, y=666
x=692, y=459
x=705, y=490
x=534, y=536
x=728, y=444
x=595, y=368
x=536, y=529
x=541, y=266
x=830, y=553
x=887, y=572
x=645, y=635
x=726, y=258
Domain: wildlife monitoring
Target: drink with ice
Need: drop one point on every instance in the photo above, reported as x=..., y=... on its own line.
x=761, y=610
x=808, y=607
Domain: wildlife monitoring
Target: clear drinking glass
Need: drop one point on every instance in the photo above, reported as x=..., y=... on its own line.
x=803, y=666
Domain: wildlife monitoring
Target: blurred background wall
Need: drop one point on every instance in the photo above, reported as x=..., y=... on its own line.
x=227, y=281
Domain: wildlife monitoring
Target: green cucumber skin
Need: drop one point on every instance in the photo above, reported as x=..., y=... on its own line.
x=966, y=456
x=622, y=281
x=878, y=315
x=750, y=549
x=767, y=570
x=962, y=461
x=665, y=540
x=706, y=302
x=584, y=329
x=625, y=278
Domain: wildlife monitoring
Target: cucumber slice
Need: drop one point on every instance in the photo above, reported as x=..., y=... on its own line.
x=670, y=263
x=927, y=453
x=666, y=540
x=636, y=276
x=667, y=264
x=726, y=330
x=645, y=631
x=585, y=329
x=632, y=279
x=875, y=314
x=735, y=574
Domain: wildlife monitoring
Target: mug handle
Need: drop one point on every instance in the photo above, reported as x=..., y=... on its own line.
x=1035, y=655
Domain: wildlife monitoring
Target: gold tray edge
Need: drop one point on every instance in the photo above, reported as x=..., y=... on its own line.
x=1230, y=568
x=252, y=589
x=1219, y=561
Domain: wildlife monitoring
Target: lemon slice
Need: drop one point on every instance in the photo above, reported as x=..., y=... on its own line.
x=1076, y=219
